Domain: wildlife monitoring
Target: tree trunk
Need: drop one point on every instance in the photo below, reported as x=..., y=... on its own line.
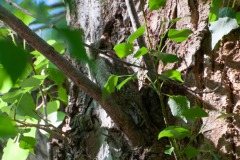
x=102, y=134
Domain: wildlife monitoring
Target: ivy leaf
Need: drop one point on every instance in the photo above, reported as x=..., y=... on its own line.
x=191, y=152
x=222, y=27
x=165, y=57
x=174, y=132
x=179, y=105
x=136, y=34
x=27, y=142
x=7, y=127
x=142, y=51
x=110, y=86
x=195, y=113
x=123, y=49
x=173, y=74
x=179, y=35
x=156, y=4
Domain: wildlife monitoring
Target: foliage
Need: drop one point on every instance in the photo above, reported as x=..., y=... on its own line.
x=222, y=21
x=23, y=77
x=33, y=74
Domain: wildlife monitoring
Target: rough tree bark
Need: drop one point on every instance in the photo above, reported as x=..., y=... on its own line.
x=130, y=132
x=203, y=69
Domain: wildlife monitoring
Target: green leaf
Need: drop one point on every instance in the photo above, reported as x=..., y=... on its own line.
x=62, y=94
x=174, y=132
x=125, y=81
x=165, y=57
x=173, y=74
x=179, y=35
x=27, y=142
x=142, y=51
x=5, y=81
x=7, y=127
x=13, y=61
x=156, y=4
x=214, y=9
x=26, y=106
x=74, y=39
x=169, y=151
x=221, y=27
x=56, y=75
x=226, y=12
x=12, y=151
x=33, y=83
x=110, y=86
x=58, y=46
x=123, y=49
x=179, y=105
x=56, y=118
x=195, y=113
x=191, y=152
x=139, y=32
x=10, y=97
x=238, y=17
x=175, y=20
x=52, y=106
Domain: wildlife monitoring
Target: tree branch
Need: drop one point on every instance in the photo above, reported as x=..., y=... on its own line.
x=117, y=112
x=141, y=43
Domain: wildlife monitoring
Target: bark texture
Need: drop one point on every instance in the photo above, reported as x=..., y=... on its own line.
x=95, y=135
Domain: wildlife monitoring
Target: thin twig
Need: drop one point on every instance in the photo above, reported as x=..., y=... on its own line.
x=15, y=5
x=167, y=79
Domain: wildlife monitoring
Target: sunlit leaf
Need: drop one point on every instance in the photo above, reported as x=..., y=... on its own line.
x=142, y=51
x=179, y=105
x=52, y=106
x=173, y=74
x=165, y=57
x=33, y=83
x=169, y=151
x=123, y=49
x=139, y=32
x=110, y=86
x=222, y=27
x=238, y=17
x=12, y=151
x=125, y=81
x=156, y=4
x=27, y=142
x=179, y=35
x=174, y=132
x=10, y=97
x=214, y=9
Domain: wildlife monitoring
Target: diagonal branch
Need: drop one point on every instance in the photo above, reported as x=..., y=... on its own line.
x=121, y=118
